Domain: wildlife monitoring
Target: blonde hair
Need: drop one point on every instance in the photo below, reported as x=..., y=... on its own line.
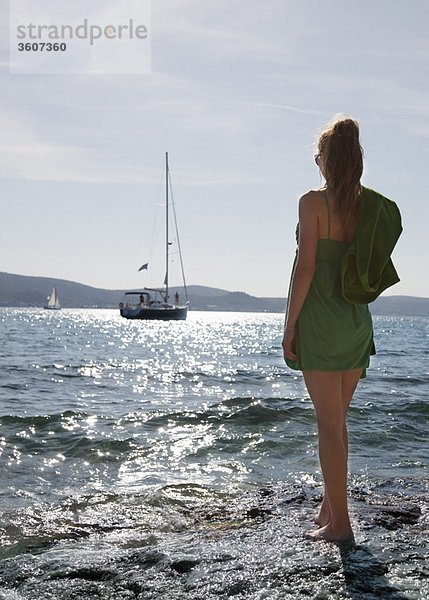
x=342, y=155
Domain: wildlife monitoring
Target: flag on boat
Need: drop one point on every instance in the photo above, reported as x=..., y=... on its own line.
x=145, y=266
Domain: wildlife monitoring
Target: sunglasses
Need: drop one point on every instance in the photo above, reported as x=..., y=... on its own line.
x=317, y=159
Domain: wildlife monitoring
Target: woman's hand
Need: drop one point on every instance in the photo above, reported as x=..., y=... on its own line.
x=288, y=344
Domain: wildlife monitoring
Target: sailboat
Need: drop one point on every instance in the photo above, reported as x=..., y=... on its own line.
x=53, y=300
x=153, y=303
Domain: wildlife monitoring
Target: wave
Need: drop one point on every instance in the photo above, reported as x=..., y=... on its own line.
x=237, y=410
x=41, y=420
x=403, y=380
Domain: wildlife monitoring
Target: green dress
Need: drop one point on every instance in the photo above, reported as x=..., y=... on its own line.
x=331, y=333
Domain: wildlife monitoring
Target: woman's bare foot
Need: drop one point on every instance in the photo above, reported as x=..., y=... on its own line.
x=329, y=534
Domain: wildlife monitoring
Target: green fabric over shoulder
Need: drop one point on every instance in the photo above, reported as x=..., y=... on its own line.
x=366, y=268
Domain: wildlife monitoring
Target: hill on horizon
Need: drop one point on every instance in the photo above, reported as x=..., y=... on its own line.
x=26, y=291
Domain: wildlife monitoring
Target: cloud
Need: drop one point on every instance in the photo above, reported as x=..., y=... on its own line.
x=26, y=155
x=305, y=111
x=219, y=31
x=230, y=79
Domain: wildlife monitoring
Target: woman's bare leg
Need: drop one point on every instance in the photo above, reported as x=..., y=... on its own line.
x=327, y=390
x=349, y=382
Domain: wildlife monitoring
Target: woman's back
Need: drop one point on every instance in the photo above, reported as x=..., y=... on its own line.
x=331, y=226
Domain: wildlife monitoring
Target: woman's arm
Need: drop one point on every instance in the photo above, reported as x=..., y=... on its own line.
x=304, y=268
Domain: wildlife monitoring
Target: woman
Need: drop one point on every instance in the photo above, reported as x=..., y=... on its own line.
x=325, y=336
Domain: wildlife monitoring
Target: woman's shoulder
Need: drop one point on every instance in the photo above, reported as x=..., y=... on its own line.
x=311, y=199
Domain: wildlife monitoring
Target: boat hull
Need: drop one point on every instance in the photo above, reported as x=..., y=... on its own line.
x=175, y=313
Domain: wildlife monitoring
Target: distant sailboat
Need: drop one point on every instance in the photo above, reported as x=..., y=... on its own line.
x=53, y=300
x=148, y=307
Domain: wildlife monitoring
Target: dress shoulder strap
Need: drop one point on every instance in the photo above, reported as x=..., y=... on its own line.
x=325, y=195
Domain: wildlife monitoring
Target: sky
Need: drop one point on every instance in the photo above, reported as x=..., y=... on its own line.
x=237, y=94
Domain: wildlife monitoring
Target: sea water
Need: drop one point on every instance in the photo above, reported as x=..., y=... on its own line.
x=178, y=460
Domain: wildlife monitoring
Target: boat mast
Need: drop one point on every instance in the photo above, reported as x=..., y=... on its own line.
x=166, y=227
x=178, y=239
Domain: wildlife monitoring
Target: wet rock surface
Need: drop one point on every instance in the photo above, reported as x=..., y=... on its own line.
x=250, y=545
